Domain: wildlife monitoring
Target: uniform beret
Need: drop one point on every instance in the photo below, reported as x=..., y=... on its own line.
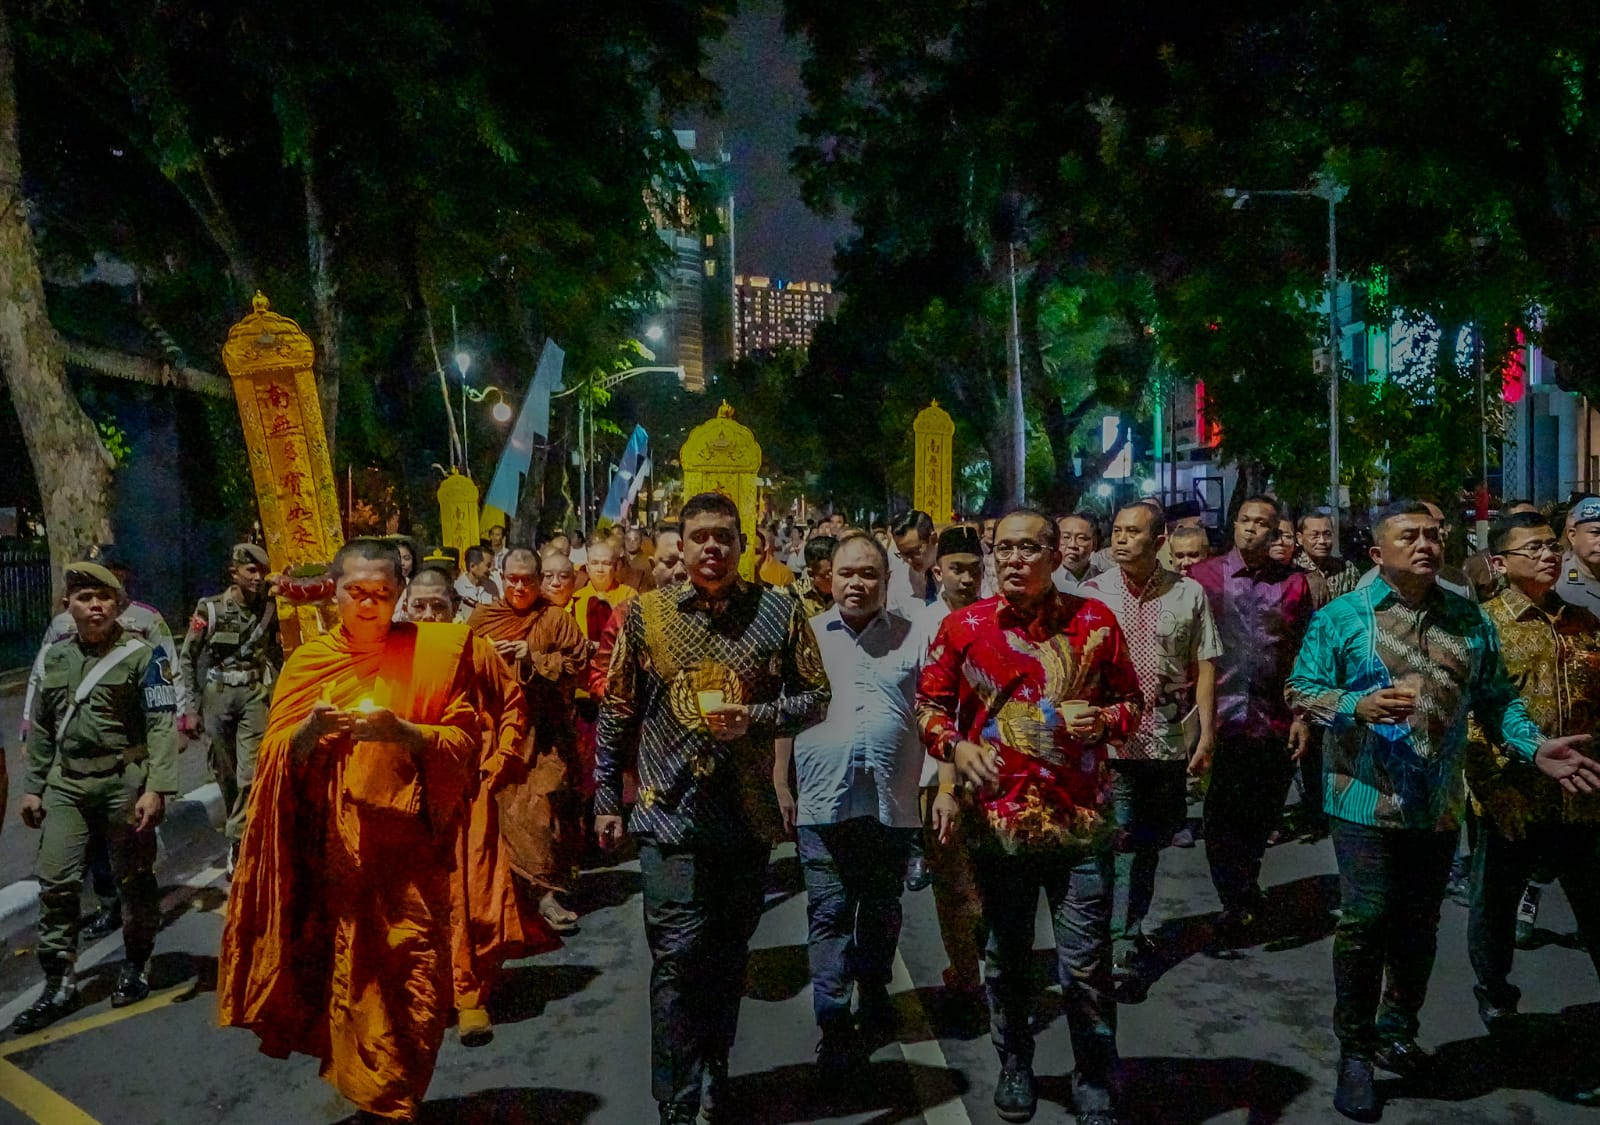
x=90, y=576
x=246, y=553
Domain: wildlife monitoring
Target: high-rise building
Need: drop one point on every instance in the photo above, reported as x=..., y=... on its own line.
x=772, y=313
x=696, y=302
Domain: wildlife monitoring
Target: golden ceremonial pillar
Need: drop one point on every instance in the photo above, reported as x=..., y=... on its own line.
x=458, y=515
x=933, y=434
x=269, y=358
x=723, y=456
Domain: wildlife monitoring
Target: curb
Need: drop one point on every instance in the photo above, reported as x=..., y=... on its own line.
x=187, y=817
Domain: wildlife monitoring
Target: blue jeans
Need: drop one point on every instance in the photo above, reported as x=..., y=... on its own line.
x=854, y=874
x=1151, y=803
x=1077, y=886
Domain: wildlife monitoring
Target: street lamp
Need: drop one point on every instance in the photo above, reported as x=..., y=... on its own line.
x=585, y=420
x=1325, y=186
x=500, y=411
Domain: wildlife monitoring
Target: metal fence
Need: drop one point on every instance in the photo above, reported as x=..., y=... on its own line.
x=24, y=593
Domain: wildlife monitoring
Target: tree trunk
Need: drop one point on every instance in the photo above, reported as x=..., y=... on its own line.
x=71, y=465
x=325, y=300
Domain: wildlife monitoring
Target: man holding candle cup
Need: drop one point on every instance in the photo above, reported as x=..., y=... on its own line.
x=707, y=816
x=1021, y=694
x=1394, y=788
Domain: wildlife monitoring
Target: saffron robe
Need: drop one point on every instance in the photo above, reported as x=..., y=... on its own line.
x=540, y=819
x=337, y=941
x=489, y=922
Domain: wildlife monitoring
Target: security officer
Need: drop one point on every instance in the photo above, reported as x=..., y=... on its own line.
x=101, y=758
x=231, y=658
x=142, y=621
x=1580, y=568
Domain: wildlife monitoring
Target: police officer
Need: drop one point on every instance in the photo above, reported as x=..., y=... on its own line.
x=231, y=658
x=101, y=759
x=1580, y=568
x=142, y=621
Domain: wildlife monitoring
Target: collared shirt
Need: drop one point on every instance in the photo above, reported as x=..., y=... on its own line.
x=1577, y=586
x=473, y=595
x=1169, y=630
x=1450, y=579
x=757, y=650
x=1261, y=615
x=999, y=677
x=1338, y=581
x=141, y=620
x=865, y=758
x=1405, y=774
x=1067, y=582
x=908, y=591
x=1552, y=654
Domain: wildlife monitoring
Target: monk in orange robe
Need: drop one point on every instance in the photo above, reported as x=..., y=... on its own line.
x=337, y=942
x=489, y=922
x=548, y=654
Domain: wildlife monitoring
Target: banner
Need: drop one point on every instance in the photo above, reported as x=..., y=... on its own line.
x=533, y=424
x=458, y=515
x=269, y=359
x=625, y=481
x=723, y=456
x=933, y=435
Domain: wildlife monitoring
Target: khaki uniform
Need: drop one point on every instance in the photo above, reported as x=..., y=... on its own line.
x=1577, y=586
x=90, y=759
x=231, y=658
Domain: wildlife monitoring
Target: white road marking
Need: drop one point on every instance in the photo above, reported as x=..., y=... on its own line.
x=927, y=1055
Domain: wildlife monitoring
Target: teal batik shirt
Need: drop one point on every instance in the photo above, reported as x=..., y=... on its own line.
x=1406, y=774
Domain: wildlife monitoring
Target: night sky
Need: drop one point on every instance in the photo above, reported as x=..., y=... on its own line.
x=759, y=71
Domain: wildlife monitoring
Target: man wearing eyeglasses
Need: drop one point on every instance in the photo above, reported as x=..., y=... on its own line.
x=1021, y=693
x=1552, y=652
x=911, y=583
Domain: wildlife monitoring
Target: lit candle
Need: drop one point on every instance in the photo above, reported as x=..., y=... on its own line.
x=709, y=700
x=366, y=706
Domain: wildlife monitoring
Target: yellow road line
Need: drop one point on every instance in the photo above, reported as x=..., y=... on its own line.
x=38, y=1101
x=100, y=1019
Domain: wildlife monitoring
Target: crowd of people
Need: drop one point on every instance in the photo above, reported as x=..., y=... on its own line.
x=994, y=710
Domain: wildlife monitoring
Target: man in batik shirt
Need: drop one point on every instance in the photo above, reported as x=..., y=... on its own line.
x=703, y=677
x=1391, y=672
x=1021, y=693
x=1529, y=823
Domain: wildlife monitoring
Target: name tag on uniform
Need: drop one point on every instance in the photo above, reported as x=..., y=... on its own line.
x=230, y=637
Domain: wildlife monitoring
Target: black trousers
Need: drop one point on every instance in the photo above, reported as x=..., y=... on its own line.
x=1501, y=867
x=1391, y=882
x=1250, y=780
x=701, y=906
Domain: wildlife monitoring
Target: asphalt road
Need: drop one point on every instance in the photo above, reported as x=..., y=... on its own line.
x=1241, y=1039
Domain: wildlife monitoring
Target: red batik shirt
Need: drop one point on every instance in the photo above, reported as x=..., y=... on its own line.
x=997, y=676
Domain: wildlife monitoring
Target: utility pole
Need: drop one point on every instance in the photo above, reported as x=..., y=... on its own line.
x=1019, y=442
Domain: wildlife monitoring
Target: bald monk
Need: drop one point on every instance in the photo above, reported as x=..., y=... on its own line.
x=337, y=942
x=488, y=922
x=547, y=652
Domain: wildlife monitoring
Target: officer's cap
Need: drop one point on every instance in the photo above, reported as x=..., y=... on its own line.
x=1586, y=511
x=962, y=539
x=91, y=576
x=244, y=554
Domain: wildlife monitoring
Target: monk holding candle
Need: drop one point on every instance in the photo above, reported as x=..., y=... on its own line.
x=337, y=941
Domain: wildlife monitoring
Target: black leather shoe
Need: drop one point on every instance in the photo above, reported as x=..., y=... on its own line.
x=917, y=877
x=1402, y=1056
x=59, y=998
x=133, y=985
x=1016, y=1094
x=1098, y=1117
x=1497, y=1016
x=102, y=923
x=1357, y=1094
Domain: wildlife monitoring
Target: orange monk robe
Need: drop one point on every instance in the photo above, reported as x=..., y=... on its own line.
x=337, y=942
x=539, y=820
x=488, y=922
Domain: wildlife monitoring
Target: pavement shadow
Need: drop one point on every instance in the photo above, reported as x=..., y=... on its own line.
x=511, y=1105
x=605, y=887
x=777, y=972
x=1543, y=937
x=1550, y=1052
x=525, y=991
x=783, y=881
x=1186, y=1091
x=891, y=1090
x=950, y=1015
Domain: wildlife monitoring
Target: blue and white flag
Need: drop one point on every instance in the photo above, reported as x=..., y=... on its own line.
x=533, y=424
x=629, y=476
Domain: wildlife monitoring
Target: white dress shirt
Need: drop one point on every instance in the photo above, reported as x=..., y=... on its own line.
x=865, y=758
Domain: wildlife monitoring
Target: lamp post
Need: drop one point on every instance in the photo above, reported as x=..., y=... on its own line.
x=500, y=411
x=598, y=382
x=1325, y=186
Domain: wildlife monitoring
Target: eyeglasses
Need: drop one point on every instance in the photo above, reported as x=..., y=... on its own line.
x=1027, y=550
x=1534, y=550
